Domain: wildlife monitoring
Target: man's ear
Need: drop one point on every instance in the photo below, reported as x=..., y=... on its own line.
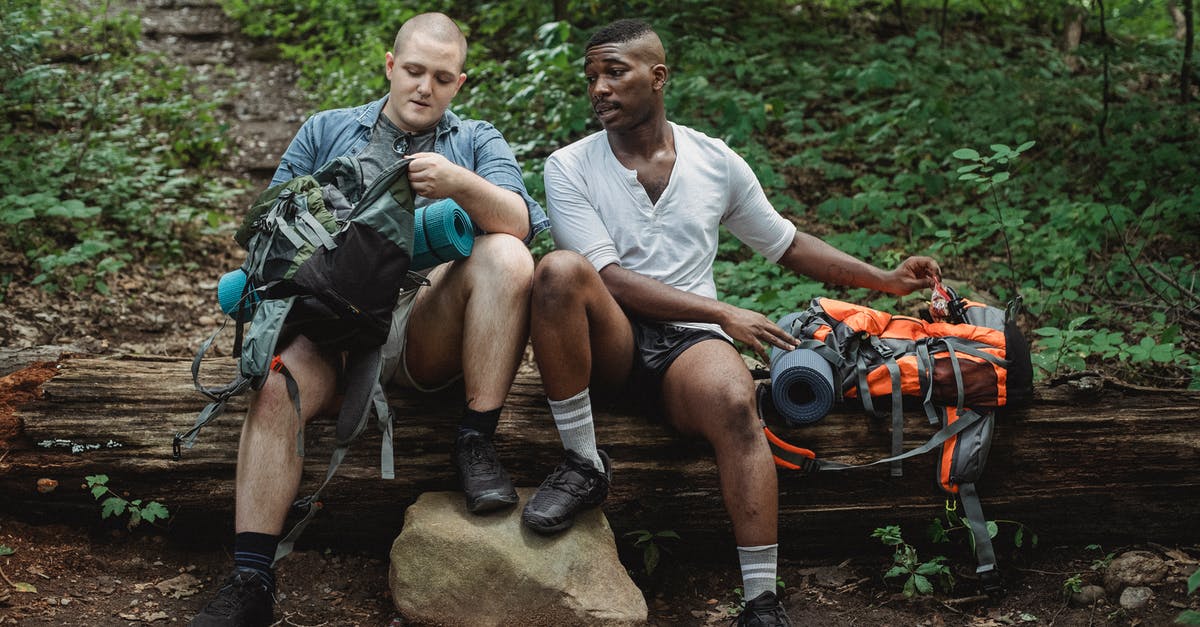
x=389, y=64
x=661, y=73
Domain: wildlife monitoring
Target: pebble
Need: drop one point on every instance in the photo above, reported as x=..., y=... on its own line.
x=1087, y=595
x=1136, y=597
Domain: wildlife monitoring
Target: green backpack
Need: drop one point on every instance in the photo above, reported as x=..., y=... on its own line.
x=326, y=258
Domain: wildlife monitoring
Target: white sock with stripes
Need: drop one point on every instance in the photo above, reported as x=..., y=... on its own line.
x=758, y=569
x=573, y=417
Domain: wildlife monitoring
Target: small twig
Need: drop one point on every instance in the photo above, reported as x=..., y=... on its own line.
x=1041, y=572
x=963, y=601
x=1169, y=279
x=1055, y=617
x=5, y=454
x=6, y=579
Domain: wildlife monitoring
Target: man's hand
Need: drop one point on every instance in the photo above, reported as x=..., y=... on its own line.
x=756, y=331
x=433, y=176
x=913, y=274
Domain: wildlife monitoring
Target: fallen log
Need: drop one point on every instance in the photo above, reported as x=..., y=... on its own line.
x=1111, y=465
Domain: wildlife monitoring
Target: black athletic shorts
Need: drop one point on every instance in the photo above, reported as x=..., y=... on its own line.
x=656, y=345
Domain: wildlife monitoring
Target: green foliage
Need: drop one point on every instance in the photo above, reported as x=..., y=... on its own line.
x=1191, y=617
x=1100, y=563
x=1072, y=585
x=4, y=550
x=951, y=524
x=919, y=576
x=114, y=505
x=102, y=143
x=649, y=543
x=856, y=128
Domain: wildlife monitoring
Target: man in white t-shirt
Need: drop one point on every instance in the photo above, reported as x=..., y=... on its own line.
x=629, y=298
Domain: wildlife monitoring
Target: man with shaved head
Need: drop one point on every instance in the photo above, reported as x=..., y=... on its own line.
x=627, y=302
x=464, y=319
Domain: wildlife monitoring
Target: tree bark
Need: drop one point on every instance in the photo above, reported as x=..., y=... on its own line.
x=1106, y=467
x=1178, y=18
x=1189, y=40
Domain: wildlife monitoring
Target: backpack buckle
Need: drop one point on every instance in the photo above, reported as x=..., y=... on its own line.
x=990, y=581
x=176, y=448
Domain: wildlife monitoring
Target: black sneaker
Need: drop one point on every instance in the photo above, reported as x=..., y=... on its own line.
x=244, y=600
x=575, y=485
x=763, y=610
x=484, y=481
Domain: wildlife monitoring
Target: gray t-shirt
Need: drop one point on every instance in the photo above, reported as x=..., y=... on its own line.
x=389, y=143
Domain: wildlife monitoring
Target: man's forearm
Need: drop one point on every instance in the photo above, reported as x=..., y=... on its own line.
x=493, y=208
x=654, y=300
x=814, y=258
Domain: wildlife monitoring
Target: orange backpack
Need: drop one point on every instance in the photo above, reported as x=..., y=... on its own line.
x=958, y=369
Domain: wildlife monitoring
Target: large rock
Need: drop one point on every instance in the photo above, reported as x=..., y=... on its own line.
x=449, y=567
x=1134, y=568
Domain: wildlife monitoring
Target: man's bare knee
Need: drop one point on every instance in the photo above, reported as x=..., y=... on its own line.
x=559, y=275
x=505, y=262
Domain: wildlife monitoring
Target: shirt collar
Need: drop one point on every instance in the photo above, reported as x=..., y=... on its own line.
x=367, y=118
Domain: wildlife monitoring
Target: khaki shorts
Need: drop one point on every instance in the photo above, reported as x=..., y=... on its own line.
x=395, y=368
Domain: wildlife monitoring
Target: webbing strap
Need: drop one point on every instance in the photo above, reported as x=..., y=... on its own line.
x=318, y=231
x=281, y=227
x=958, y=381
x=945, y=433
x=387, y=455
x=955, y=344
x=984, y=554
x=822, y=349
x=364, y=396
x=293, y=390
x=312, y=503
x=925, y=376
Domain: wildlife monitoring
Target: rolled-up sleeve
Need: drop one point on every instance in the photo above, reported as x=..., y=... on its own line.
x=496, y=163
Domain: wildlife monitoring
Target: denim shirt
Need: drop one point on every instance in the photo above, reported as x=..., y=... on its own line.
x=472, y=144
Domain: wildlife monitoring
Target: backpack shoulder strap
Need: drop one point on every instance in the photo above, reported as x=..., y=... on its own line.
x=364, y=398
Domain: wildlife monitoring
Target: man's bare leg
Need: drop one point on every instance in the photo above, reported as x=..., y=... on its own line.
x=580, y=336
x=474, y=319
x=708, y=391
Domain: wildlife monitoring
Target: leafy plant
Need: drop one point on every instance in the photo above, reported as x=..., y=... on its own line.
x=1100, y=563
x=1191, y=617
x=114, y=505
x=919, y=576
x=649, y=543
x=104, y=166
x=1072, y=585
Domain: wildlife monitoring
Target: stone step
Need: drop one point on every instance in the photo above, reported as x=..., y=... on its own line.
x=190, y=22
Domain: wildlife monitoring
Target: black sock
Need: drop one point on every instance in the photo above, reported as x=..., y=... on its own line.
x=256, y=551
x=482, y=421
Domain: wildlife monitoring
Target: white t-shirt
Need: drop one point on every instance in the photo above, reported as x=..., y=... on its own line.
x=600, y=210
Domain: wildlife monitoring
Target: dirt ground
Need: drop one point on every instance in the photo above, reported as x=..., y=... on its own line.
x=99, y=574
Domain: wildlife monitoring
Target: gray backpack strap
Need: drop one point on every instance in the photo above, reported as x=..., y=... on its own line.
x=985, y=556
x=364, y=398
x=258, y=348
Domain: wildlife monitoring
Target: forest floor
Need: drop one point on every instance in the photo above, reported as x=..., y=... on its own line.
x=60, y=574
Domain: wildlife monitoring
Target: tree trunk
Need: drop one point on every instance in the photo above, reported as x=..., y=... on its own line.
x=1099, y=467
x=1189, y=40
x=1106, y=95
x=1178, y=18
